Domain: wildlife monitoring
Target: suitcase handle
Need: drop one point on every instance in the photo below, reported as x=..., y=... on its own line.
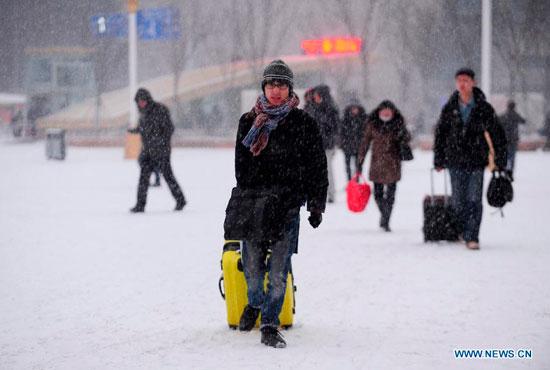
x=446, y=193
x=220, y=288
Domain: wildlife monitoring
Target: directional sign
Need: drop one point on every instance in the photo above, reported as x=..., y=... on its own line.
x=153, y=24
x=158, y=23
x=110, y=25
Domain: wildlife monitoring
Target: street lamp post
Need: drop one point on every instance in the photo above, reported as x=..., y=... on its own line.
x=133, y=141
x=132, y=58
x=486, y=42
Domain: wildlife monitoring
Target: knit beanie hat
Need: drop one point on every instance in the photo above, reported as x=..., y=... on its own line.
x=278, y=70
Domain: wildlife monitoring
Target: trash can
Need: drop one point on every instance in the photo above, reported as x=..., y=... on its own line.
x=55, y=143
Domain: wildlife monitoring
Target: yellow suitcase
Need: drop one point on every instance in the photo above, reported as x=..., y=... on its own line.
x=234, y=289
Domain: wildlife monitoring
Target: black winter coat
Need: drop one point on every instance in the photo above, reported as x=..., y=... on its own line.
x=509, y=122
x=460, y=145
x=327, y=117
x=156, y=129
x=352, y=129
x=293, y=162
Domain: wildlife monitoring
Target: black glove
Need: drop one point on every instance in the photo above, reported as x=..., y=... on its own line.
x=315, y=219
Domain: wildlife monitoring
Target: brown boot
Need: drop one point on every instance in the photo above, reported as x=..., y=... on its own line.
x=472, y=245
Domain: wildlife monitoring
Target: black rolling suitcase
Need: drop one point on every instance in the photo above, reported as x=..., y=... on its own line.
x=440, y=220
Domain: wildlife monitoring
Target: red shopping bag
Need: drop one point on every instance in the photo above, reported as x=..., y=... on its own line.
x=358, y=194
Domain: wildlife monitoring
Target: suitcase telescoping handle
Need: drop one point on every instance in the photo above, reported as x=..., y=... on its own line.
x=446, y=192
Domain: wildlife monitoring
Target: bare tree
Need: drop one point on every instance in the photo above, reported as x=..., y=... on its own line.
x=189, y=33
x=360, y=18
x=257, y=30
x=522, y=37
x=419, y=29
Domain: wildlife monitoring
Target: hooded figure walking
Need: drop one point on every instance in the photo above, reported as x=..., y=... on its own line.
x=156, y=129
x=351, y=134
x=279, y=152
x=325, y=113
x=387, y=132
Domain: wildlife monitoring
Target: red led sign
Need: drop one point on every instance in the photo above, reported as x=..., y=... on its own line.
x=334, y=45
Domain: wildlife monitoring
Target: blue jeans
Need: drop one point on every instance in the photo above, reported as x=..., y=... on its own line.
x=467, y=200
x=254, y=265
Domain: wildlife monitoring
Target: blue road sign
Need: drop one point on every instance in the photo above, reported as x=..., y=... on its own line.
x=110, y=25
x=153, y=24
x=158, y=23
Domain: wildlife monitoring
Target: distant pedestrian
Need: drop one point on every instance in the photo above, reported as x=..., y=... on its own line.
x=156, y=129
x=509, y=122
x=325, y=112
x=351, y=134
x=546, y=132
x=386, y=132
x=308, y=101
x=156, y=172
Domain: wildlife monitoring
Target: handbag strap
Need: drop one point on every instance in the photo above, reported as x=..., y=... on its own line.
x=489, y=141
x=358, y=176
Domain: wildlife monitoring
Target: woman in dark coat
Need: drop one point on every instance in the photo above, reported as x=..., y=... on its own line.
x=352, y=130
x=386, y=131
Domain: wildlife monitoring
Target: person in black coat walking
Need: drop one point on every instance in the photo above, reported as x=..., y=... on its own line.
x=279, y=151
x=509, y=122
x=464, y=135
x=325, y=113
x=156, y=129
x=545, y=131
x=351, y=134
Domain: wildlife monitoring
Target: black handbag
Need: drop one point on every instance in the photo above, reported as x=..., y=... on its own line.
x=500, y=190
x=254, y=215
x=405, y=152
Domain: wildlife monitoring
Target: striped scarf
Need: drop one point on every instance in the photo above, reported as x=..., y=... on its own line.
x=267, y=120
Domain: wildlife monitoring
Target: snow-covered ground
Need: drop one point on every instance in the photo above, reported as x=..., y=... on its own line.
x=84, y=284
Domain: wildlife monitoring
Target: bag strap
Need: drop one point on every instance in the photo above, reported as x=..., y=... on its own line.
x=358, y=176
x=492, y=165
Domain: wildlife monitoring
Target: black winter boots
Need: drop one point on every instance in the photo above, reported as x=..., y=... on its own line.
x=271, y=337
x=248, y=318
x=137, y=209
x=180, y=204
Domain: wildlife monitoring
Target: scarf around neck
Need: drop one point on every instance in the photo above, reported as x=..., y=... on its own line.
x=267, y=119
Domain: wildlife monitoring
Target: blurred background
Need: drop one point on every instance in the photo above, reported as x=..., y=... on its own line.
x=65, y=64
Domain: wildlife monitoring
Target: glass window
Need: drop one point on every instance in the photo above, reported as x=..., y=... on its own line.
x=40, y=71
x=71, y=75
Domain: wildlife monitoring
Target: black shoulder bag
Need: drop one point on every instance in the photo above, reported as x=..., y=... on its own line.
x=254, y=215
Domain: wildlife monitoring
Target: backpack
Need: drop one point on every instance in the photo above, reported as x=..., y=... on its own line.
x=500, y=189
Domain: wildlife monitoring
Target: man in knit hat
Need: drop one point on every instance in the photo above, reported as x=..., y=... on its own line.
x=279, y=151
